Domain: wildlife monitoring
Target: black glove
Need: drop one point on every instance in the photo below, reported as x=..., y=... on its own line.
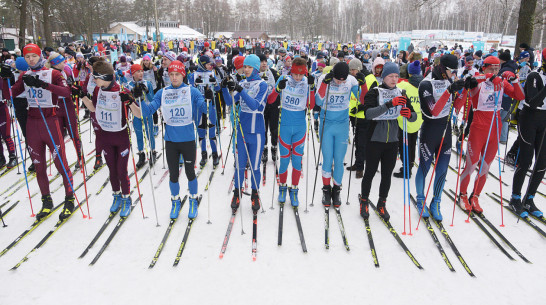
x=238, y=88
x=472, y=83
x=34, y=81
x=282, y=84
x=126, y=98
x=465, y=72
x=360, y=78
x=456, y=86
x=231, y=84
x=264, y=77
x=328, y=78
x=212, y=79
x=310, y=80
x=224, y=83
x=209, y=95
x=192, y=69
x=239, y=77
x=5, y=71
x=198, y=80
x=77, y=91
x=137, y=91
x=353, y=111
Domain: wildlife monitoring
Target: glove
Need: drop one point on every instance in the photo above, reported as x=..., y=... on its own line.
x=137, y=91
x=34, y=81
x=209, y=95
x=192, y=69
x=328, y=78
x=77, y=91
x=496, y=81
x=310, y=80
x=397, y=101
x=119, y=73
x=238, y=88
x=353, y=111
x=264, y=77
x=456, y=86
x=405, y=112
x=212, y=79
x=360, y=78
x=231, y=84
x=239, y=77
x=198, y=80
x=282, y=84
x=224, y=83
x=126, y=98
x=5, y=71
x=465, y=72
x=470, y=83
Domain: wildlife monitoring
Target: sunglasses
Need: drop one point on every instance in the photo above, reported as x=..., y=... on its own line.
x=451, y=70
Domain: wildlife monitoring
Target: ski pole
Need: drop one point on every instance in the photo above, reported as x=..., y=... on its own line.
x=307, y=155
x=12, y=117
x=320, y=146
x=465, y=115
x=352, y=154
x=21, y=151
x=404, y=163
x=500, y=172
x=227, y=154
x=236, y=156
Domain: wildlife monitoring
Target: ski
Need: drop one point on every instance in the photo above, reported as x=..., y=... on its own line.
x=426, y=220
x=281, y=223
x=114, y=232
x=228, y=233
x=264, y=173
x=210, y=178
x=326, y=227
x=57, y=226
x=479, y=224
x=163, y=178
x=33, y=226
x=254, y=235
x=89, y=177
x=397, y=237
x=477, y=169
x=4, y=214
x=165, y=236
x=21, y=185
x=453, y=247
x=342, y=228
x=527, y=220
x=370, y=240
x=300, y=230
x=185, y=238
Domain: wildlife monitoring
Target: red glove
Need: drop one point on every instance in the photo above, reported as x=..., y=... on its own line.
x=508, y=75
x=399, y=101
x=126, y=98
x=405, y=112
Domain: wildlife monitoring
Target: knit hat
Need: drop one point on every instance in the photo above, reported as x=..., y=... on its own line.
x=21, y=64
x=203, y=61
x=238, y=62
x=170, y=56
x=355, y=64
x=479, y=53
x=253, y=61
x=469, y=58
x=414, y=68
x=449, y=61
x=333, y=61
x=378, y=61
x=135, y=68
x=206, y=44
x=321, y=64
x=524, y=45
x=55, y=58
x=147, y=57
x=32, y=48
x=341, y=70
x=282, y=50
x=505, y=56
x=491, y=60
x=524, y=54
x=122, y=59
x=79, y=54
x=177, y=66
x=390, y=68
x=184, y=49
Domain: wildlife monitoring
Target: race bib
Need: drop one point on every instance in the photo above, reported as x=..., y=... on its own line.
x=40, y=96
x=166, y=78
x=149, y=76
x=438, y=89
x=386, y=95
x=253, y=88
x=486, y=98
x=294, y=96
x=176, y=106
x=339, y=96
x=108, y=111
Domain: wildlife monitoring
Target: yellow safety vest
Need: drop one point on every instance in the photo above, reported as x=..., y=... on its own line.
x=370, y=79
x=413, y=94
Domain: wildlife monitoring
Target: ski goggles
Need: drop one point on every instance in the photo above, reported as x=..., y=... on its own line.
x=453, y=71
x=104, y=77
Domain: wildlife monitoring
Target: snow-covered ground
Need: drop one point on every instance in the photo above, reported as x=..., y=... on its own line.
x=280, y=275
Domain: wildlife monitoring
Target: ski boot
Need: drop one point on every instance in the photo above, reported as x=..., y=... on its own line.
x=336, y=196
x=98, y=163
x=364, y=207
x=156, y=130
x=141, y=160
x=464, y=203
x=435, y=210
x=176, y=206
x=78, y=164
x=382, y=209
x=274, y=153
x=235, y=201
x=359, y=174
x=316, y=125
x=474, y=201
x=86, y=115
x=255, y=201
x=516, y=205
x=282, y=193
x=204, y=157
x=400, y=174
x=531, y=207
x=68, y=208
x=420, y=202
x=12, y=161
x=327, y=196
x=352, y=168
x=2, y=160
x=510, y=159
x=116, y=204
x=264, y=155
x=31, y=168
x=215, y=159
x=126, y=203
x=294, y=196
x=47, y=207
x=194, y=204
x=153, y=158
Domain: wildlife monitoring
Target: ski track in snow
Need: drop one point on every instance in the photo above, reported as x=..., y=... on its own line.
x=281, y=275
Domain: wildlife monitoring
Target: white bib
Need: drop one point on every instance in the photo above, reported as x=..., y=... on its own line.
x=39, y=95
x=166, y=78
x=108, y=111
x=339, y=96
x=253, y=88
x=149, y=76
x=205, y=77
x=176, y=106
x=438, y=89
x=294, y=96
x=386, y=95
x=486, y=97
x=91, y=85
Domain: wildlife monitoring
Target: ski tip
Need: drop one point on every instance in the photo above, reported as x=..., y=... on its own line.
x=221, y=256
x=254, y=258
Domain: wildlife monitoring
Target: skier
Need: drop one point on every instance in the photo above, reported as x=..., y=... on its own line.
x=296, y=95
x=383, y=105
x=108, y=103
x=486, y=104
x=5, y=120
x=532, y=130
x=271, y=112
x=179, y=105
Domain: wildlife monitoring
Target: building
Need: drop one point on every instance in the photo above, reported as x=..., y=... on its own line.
x=10, y=40
x=259, y=35
x=133, y=30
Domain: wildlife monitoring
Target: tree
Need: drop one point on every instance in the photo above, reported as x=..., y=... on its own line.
x=526, y=24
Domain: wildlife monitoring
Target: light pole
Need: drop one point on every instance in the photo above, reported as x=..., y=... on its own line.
x=156, y=22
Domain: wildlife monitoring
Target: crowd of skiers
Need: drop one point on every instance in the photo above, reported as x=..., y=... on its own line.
x=389, y=104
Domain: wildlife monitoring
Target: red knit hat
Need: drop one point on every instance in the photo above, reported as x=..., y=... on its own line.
x=32, y=48
x=238, y=62
x=184, y=49
x=207, y=44
x=491, y=60
x=177, y=66
x=135, y=68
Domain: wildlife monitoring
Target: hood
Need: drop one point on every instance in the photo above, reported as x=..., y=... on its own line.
x=415, y=80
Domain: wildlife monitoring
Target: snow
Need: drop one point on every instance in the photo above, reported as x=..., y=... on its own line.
x=280, y=275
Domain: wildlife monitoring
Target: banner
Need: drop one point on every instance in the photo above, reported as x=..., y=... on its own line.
x=404, y=43
x=479, y=45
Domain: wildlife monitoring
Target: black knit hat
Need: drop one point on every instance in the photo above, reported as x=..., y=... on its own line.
x=504, y=56
x=341, y=70
x=449, y=61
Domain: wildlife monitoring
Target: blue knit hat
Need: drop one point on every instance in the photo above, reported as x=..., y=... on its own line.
x=253, y=61
x=21, y=64
x=414, y=68
x=390, y=68
x=203, y=61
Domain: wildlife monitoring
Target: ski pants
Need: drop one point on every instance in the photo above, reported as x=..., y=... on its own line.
x=531, y=129
x=429, y=145
x=271, y=117
x=21, y=113
x=386, y=154
x=335, y=138
x=37, y=140
x=173, y=151
x=204, y=125
x=254, y=142
x=116, y=148
x=292, y=144
x=149, y=125
x=66, y=114
x=96, y=129
x=360, y=142
x=5, y=129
